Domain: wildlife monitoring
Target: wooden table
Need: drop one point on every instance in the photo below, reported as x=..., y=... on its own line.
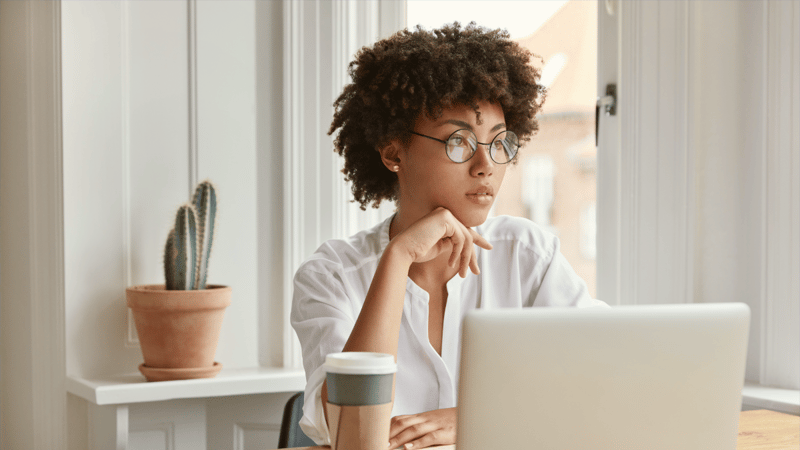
x=767, y=430
x=758, y=430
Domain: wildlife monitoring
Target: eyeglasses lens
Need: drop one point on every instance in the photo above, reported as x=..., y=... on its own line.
x=461, y=145
x=504, y=147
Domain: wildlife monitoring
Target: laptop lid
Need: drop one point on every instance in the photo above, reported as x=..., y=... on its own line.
x=627, y=377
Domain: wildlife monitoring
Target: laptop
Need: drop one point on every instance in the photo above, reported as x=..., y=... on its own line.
x=627, y=377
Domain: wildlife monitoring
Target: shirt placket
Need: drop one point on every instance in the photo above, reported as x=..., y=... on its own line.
x=451, y=350
x=446, y=365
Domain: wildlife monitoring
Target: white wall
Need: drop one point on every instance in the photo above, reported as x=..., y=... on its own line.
x=157, y=96
x=32, y=385
x=269, y=165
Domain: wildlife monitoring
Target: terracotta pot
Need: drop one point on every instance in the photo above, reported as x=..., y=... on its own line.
x=178, y=330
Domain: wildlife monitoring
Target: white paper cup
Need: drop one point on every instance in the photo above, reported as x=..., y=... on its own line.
x=360, y=398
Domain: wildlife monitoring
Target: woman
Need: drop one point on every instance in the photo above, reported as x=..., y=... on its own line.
x=430, y=121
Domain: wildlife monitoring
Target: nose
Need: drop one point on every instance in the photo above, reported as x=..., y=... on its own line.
x=482, y=164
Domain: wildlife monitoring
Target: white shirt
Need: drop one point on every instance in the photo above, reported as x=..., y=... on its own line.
x=524, y=268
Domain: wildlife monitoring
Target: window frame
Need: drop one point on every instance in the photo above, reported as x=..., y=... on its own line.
x=663, y=171
x=320, y=39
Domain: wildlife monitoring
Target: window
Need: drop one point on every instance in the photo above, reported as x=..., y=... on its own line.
x=537, y=189
x=554, y=181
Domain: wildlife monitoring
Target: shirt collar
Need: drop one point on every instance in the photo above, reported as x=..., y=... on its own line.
x=383, y=234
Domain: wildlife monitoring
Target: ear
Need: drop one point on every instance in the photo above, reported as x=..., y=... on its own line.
x=390, y=155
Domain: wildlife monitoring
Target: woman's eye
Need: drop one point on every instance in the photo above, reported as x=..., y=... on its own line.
x=456, y=140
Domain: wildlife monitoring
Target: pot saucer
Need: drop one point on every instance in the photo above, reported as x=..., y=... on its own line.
x=156, y=374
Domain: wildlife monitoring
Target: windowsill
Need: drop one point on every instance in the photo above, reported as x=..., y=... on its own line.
x=782, y=400
x=133, y=388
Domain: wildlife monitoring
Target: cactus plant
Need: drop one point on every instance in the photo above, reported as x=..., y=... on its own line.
x=205, y=204
x=189, y=242
x=179, y=326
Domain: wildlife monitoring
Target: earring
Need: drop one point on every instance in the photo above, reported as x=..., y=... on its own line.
x=395, y=168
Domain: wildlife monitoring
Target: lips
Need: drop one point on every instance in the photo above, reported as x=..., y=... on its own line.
x=483, y=190
x=483, y=195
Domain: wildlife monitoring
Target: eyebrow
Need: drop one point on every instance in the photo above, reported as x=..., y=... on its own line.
x=469, y=127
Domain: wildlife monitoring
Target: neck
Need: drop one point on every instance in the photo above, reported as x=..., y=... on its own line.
x=407, y=214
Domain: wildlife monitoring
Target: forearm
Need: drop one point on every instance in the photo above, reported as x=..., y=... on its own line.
x=377, y=328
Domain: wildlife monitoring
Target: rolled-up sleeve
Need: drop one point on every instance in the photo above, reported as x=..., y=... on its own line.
x=323, y=319
x=557, y=283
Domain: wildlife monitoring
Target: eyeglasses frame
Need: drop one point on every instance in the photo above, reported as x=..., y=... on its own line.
x=476, y=141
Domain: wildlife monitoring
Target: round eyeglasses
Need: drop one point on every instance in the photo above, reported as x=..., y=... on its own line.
x=462, y=144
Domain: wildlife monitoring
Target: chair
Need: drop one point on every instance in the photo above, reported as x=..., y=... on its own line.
x=291, y=434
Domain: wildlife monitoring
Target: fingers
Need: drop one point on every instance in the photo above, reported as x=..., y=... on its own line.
x=467, y=254
x=479, y=240
x=400, y=423
x=462, y=252
x=440, y=233
x=458, y=247
x=427, y=440
x=473, y=264
x=415, y=436
x=423, y=430
x=403, y=429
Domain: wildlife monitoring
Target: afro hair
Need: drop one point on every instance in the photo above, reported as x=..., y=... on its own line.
x=425, y=72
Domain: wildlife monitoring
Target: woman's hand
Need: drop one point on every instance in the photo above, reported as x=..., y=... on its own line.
x=440, y=232
x=437, y=427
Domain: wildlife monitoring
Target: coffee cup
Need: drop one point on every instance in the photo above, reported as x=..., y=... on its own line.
x=360, y=398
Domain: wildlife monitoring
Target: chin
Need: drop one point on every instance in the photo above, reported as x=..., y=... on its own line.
x=472, y=218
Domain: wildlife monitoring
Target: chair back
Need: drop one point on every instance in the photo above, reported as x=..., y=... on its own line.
x=291, y=434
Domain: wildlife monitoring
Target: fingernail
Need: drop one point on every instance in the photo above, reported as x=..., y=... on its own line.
x=409, y=445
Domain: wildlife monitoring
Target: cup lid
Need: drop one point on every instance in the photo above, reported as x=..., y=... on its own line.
x=366, y=363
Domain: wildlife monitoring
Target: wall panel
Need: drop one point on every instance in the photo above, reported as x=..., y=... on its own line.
x=155, y=134
x=226, y=154
x=255, y=436
x=245, y=422
x=94, y=194
x=173, y=425
x=157, y=96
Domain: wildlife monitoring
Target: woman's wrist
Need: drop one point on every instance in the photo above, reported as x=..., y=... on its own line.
x=396, y=255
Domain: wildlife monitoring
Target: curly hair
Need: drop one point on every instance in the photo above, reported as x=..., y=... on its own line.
x=425, y=72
